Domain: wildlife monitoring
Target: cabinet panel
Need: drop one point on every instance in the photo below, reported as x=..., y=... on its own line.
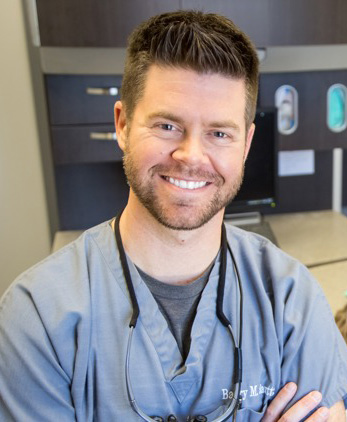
x=298, y=22
x=108, y=23
x=312, y=87
x=71, y=98
x=283, y=22
x=83, y=144
x=94, y=23
x=89, y=194
x=306, y=193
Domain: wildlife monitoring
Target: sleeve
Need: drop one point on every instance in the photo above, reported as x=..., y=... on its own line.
x=33, y=384
x=314, y=351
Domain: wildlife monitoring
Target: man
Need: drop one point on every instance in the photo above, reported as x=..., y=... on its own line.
x=67, y=351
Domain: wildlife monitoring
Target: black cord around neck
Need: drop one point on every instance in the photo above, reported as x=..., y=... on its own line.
x=221, y=284
x=124, y=262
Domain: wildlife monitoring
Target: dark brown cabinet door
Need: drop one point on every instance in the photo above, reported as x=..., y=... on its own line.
x=76, y=99
x=85, y=144
x=108, y=23
x=312, y=87
x=94, y=23
x=283, y=22
x=297, y=22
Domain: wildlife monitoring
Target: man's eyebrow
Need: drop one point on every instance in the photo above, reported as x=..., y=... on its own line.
x=165, y=115
x=225, y=124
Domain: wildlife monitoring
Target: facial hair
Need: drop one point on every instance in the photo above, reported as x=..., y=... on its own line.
x=182, y=219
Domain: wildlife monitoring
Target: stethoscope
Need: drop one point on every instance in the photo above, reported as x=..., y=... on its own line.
x=235, y=400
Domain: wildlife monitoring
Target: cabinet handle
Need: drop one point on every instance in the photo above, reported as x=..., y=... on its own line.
x=103, y=136
x=112, y=90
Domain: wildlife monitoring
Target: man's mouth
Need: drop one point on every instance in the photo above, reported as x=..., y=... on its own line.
x=186, y=184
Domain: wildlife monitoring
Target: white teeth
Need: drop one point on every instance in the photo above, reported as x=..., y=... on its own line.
x=184, y=184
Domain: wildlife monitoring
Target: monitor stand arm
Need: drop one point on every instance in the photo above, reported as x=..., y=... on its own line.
x=241, y=219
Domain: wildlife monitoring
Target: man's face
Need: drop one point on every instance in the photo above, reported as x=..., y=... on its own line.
x=184, y=153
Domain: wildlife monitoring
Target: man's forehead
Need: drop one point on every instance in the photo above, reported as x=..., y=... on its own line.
x=164, y=83
x=156, y=69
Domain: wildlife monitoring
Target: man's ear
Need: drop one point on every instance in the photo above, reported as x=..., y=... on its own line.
x=120, y=124
x=249, y=138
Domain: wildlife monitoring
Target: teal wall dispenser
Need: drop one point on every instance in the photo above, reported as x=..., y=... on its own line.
x=336, y=108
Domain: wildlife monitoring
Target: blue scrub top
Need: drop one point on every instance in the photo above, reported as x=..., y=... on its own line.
x=64, y=326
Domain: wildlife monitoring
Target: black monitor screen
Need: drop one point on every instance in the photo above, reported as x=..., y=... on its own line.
x=258, y=190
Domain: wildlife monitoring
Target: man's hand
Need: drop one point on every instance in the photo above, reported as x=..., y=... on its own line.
x=299, y=410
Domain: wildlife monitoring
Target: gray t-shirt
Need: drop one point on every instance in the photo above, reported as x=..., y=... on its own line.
x=178, y=304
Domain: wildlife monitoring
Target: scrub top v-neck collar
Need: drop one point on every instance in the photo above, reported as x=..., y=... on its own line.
x=163, y=340
x=185, y=379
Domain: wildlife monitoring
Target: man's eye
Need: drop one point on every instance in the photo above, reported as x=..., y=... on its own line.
x=167, y=126
x=218, y=134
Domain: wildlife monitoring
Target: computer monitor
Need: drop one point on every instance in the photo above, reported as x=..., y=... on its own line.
x=258, y=190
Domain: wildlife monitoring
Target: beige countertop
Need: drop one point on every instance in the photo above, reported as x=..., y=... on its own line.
x=319, y=240
x=333, y=281
x=313, y=238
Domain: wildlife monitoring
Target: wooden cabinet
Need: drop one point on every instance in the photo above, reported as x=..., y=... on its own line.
x=108, y=23
x=90, y=181
x=81, y=118
x=94, y=23
x=308, y=22
x=85, y=144
x=82, y=99
x=283, y=22
x=306, y=192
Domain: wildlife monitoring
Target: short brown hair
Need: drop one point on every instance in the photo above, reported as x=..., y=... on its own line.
x=193, y=40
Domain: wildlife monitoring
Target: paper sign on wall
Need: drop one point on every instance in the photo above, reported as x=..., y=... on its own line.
x=296, y=163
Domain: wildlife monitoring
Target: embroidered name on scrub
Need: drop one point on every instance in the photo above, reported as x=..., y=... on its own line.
x=254, y=390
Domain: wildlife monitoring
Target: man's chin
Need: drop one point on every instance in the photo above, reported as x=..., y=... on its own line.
x=183, y=219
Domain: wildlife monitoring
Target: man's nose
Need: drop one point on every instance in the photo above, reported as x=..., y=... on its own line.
x=190, y=151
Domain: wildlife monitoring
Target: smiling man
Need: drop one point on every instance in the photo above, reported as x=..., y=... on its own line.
x=186, y=148
x=166, y=314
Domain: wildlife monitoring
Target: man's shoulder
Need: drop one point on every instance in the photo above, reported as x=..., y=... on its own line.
x=251, y=243
x=68, y=267
x=246, y=240
x=270, y=266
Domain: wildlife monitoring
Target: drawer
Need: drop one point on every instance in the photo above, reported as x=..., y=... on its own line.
x=85, y=144
x=82, y=99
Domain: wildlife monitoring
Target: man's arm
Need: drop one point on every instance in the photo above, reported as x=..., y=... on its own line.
x=33, y=384
x=302, y=408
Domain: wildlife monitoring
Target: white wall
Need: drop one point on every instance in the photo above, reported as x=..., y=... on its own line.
x=24, y=229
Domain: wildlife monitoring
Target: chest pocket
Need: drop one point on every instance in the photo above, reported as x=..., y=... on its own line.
x=243, y=415
x=250, y=415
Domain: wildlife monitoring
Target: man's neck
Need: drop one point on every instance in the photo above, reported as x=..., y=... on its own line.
x=172, y=256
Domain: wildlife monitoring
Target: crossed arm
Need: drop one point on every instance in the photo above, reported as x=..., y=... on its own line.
x=302, y=408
